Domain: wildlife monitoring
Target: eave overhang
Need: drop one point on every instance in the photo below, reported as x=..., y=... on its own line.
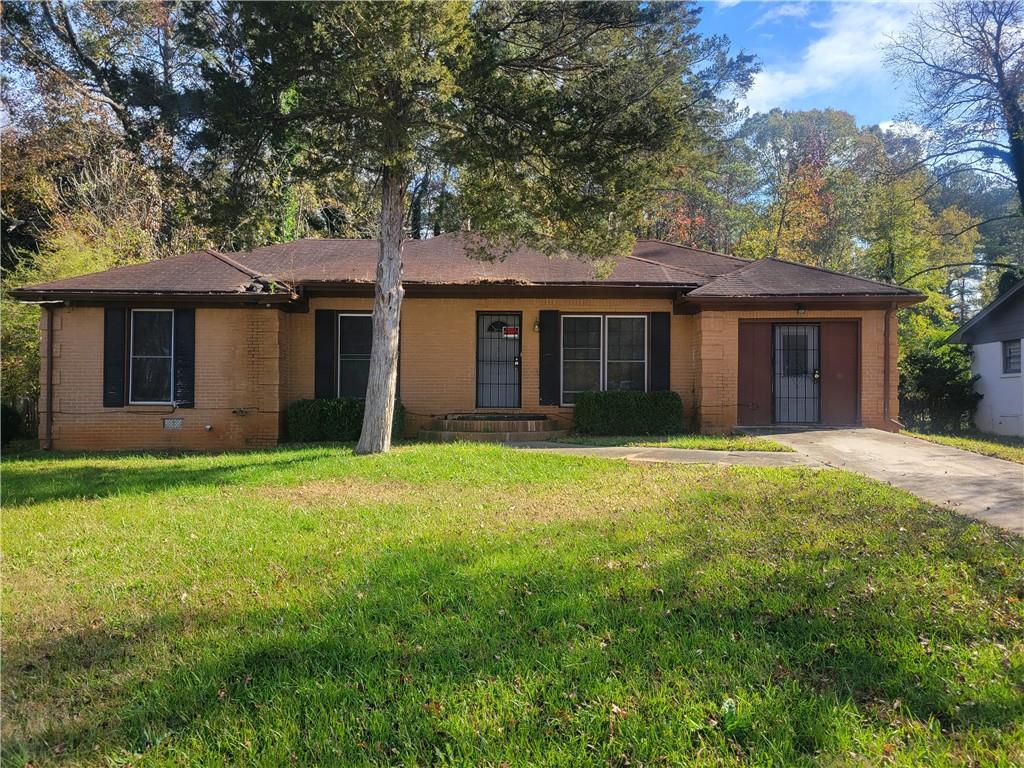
x=686, y=304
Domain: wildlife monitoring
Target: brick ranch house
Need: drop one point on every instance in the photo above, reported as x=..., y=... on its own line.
x=206, y=350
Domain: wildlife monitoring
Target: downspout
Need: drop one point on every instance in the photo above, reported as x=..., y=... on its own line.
x=887, y=371
x=48, y=432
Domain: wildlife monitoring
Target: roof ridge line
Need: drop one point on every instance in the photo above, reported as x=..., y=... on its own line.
x=663, y=265
x=841, y=274
x=985, y=311
x=232, y=263
x=695, y=248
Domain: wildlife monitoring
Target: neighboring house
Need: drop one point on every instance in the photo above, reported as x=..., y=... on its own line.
x=206, y=351
x=994, y=336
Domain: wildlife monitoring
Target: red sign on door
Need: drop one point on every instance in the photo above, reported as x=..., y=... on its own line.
x=510, y=331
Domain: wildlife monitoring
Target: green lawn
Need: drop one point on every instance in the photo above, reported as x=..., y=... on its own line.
x=700, y=442
x=1000, y=446
x=482, y=606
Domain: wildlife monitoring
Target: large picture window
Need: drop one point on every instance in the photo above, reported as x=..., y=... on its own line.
x=355, y=337
x=152, y=357
x=603, y=352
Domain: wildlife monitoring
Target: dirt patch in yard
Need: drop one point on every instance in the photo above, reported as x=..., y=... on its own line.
x=644, y=486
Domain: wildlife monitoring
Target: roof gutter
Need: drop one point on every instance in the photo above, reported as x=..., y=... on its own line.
x=248, y=297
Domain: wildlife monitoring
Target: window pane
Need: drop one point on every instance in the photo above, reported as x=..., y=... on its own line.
x=581, y=356
x=151, y=333
x=355, y=334
x=580, y=376
x=151, y=379
x=354, y=375
x=626, y=338
x=1011, y=357
x=355, y=338
x=582, y=333
x=625, y=376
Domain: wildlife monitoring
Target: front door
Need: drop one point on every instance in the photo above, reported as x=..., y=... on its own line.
x=497, y=359
x=796, y=376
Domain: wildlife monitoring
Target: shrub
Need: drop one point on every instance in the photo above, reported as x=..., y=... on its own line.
x=10, y=424
x=937, y=388
x=628, y=413
x=331, y=419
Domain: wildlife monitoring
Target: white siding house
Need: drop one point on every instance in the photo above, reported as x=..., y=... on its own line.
x=995, y=336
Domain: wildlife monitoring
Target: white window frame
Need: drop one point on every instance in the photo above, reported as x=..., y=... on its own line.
x=132, y=356
x=337, y=349
x=561, y=357
x=603, y=365
x=1020, y=357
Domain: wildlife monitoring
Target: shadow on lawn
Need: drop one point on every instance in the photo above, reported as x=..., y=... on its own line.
x=449, y=651
x=26, y=483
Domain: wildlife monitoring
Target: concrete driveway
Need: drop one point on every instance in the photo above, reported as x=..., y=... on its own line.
x=978, y=486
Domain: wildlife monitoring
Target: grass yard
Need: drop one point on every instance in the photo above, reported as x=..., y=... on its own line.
x=1000, y=446
x=481, y=606
x=692, y=441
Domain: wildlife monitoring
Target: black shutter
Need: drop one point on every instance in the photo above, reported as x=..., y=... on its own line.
x=114, y=334
x=659, y=365
x=325, y=354
x=185, y=358
x=550, y=358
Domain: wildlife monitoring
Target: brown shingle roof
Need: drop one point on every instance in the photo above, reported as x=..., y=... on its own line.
x=774, y=277
x=446, y=260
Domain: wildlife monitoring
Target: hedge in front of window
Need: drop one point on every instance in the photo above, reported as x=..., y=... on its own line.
x=332, y=419
x=621, y=412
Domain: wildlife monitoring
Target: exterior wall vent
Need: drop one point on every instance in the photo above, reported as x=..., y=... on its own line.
x=175, y=423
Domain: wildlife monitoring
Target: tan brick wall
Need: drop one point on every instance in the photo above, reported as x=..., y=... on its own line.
x=237, y=369
x=718, y=339
x=438, y=350
x=251, y=363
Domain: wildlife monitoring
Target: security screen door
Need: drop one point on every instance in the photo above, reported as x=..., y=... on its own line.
x=498, y=338
x=797, y=374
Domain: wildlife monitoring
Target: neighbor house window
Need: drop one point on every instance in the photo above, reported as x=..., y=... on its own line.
x=603, y=352
x=152, y=357
x=355, y=336
x=1011, y=356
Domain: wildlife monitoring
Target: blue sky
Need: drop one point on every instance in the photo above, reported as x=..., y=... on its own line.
x=816, y=54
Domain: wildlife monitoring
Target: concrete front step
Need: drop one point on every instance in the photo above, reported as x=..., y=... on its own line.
x=449, y=436
x=495, y=425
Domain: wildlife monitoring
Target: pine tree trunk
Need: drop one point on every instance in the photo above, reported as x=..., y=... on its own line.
x=387, y=310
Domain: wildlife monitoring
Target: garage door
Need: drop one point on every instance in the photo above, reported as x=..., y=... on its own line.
x=798, y=373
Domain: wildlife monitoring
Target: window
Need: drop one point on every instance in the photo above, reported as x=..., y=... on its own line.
x=1011, y=356
x=152, y=357
x=355, y=336
x=626, y=356
x=603, y=352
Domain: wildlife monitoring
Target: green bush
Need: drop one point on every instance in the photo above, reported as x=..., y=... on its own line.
x=331, y=419
x=11, y=424
x=628, y=413
x=937, y=388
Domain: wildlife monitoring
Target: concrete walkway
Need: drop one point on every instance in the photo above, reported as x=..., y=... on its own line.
x=981, y=487
x=978, y=486
x=678, y=455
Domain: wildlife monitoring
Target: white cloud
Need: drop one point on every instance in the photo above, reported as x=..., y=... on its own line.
x=727, y=3
x=779, y=11
x=849, y=50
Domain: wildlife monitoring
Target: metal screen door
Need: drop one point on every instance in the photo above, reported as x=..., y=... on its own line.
x=498, y=338
x=797, y=374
